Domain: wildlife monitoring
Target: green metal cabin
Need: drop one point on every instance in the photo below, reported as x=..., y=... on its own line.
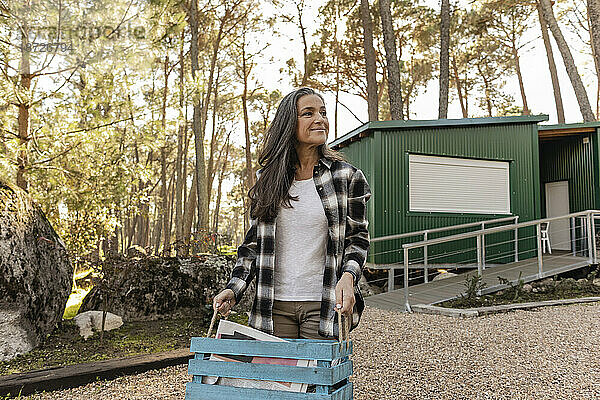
x=429, y=174
x=570, y=153
x=569, y=173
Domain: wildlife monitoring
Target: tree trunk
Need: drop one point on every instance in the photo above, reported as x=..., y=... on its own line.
x=560, y=111
x=218, y=170
x=246, y=208
x=210, y=171
x=249, y=171
x=580, y=93
x=371, y=67
x=393, y=67
x=167, y=236
x=142, y=225
x=179, y=188
x=337, y=69
x=466, y=92
x=461, y=99
x=337, y=100
x=520, y=78
x=197, y=125
x=164, y=193
x=157, y=232
x=144, y=236
x=130, y=231
x=211, y=73
x=444, y=59
x=486, y=85
x=164, y=197
x=236, y=216
x=24, y=104
x=593, y=7
x=186, y=147
x=179, y=176
x=188, y=217
x=305, y=74
x=219, y=187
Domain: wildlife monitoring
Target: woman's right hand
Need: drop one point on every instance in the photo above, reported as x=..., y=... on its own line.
x=224, y=301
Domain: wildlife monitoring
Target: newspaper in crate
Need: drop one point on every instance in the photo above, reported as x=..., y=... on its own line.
x=231, y=330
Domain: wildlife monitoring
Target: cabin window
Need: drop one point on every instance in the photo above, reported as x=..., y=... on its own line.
x=458, y=185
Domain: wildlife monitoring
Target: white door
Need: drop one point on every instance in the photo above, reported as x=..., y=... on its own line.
x=557, y=204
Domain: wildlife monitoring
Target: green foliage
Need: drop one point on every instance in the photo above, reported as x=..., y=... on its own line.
x=516, y=288
x=74, y=302
x=593, y=274
x=228, y=250
x=474, y=284
x=546, y=290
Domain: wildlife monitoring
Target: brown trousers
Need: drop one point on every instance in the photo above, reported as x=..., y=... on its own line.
x=299, y=320
x=296, y=319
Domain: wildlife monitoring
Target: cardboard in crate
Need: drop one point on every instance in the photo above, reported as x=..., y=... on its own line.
x=324, y=376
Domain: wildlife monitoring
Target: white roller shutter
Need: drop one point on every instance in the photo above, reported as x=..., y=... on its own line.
x=446, y=184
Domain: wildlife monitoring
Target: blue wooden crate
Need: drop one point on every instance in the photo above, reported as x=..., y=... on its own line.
x=324, y=376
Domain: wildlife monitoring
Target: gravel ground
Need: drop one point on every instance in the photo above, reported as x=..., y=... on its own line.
x=550, y=353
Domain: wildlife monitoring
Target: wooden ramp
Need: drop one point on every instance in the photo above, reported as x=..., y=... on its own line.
x=450, y=288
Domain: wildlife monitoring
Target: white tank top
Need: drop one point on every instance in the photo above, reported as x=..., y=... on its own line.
x=300, y=245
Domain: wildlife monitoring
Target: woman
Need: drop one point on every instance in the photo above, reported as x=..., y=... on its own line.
x=308, y=237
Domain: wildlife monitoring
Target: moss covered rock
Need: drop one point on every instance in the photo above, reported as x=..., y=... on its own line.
x=35, y=274
x=156, y=287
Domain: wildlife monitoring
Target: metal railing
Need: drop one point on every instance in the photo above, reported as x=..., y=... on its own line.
x=426, y=232
x=586, y=225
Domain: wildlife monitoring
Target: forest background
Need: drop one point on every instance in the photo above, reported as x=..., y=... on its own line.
x=136, y=122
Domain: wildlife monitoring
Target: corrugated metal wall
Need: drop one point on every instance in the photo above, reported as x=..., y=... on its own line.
x=596, y=166
x=569, y=159
x=388, y=176
x=361, y=155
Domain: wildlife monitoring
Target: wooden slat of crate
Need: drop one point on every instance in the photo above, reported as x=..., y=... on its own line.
x=324, y=376
x=271, y=372
x=297, y=349
x=199, y=391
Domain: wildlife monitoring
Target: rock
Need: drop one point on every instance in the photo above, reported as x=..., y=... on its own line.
x=596, y=282
x=35, y=274
x=527, y=288
x=535, y=290
x=548, y=282
x=91, y=321
x=568, y=283
x=154, y=287
x=13, y=333
x=544, y=284
x=443, y=275
x=136, y=251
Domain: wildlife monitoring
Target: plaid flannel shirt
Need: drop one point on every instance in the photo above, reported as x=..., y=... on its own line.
x=344, y=191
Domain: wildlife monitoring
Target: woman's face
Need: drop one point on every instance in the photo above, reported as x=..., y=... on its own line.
x=312, y=127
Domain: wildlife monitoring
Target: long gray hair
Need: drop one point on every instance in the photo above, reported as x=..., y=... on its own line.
x=278, y=159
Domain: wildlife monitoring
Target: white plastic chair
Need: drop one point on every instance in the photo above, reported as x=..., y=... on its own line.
x=544, y=226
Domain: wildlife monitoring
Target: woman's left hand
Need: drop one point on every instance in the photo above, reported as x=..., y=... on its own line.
x=344, y=294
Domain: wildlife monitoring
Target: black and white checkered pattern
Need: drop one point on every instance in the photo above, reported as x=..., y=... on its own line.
x=344, y=192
